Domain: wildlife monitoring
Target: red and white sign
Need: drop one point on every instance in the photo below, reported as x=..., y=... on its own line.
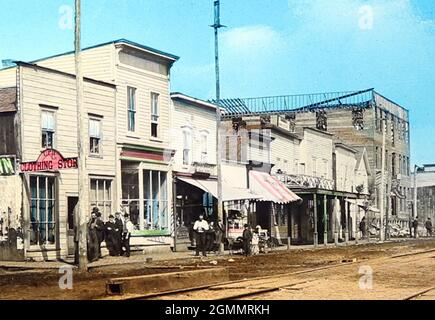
x=49, y=160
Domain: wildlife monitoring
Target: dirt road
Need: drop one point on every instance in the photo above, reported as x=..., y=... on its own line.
x=410, y=274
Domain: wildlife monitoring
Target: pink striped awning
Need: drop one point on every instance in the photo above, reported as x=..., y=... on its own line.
x=270, y=188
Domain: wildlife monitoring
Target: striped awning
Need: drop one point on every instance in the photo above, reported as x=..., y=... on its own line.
x=270, y=188
x=229, y=193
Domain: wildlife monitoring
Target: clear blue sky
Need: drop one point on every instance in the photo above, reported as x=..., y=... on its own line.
x=271, y=47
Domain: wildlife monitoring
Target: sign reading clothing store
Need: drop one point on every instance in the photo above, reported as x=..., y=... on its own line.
x=49, y=160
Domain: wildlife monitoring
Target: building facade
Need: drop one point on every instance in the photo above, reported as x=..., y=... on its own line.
x=130, y=161
x=143, y=155
x=43, y=140
x=425, y=181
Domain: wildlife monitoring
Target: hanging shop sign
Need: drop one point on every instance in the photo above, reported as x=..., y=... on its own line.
x=50, y=160
x=7, y=166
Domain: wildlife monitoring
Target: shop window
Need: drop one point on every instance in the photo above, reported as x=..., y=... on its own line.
x=207, y=204
x=42, y=210
x=155, y=201
x=131, y=111
x=155, y=115
x=130, y=194
x=358, y=118
x=95, y=137
x=101, y=197
x=187, y=146
x=48, y=128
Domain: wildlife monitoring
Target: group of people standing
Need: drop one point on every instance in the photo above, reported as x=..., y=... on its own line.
x=209, y=236
x=116, y=232
x=413, y=226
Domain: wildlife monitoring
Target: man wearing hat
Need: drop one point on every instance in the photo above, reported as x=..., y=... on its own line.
x=200, y=228
x=247, y=239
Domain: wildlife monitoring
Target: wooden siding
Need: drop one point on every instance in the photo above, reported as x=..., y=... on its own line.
x=285, y=151
x=346, y=165
x=8, y=141
x=145, y=85
x=45, y=88
x=199, y=120
x=96, y=63
x=8, y=78
x=316, y=145
x=103, y=63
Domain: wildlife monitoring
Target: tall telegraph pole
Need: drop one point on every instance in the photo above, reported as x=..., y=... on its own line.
x=81, y=139
x=217, y=25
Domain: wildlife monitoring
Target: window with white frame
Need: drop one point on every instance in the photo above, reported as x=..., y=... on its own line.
x=325, y=168
x=204, y=146
x=187, y=146
x=296, y=167
x=130, y=194
x=48, y=129
x=314, y=167
x=42, y=210
x=131, y=108
x=95, y=136
x=155, y=115
x=156, y=210
x=101, y=196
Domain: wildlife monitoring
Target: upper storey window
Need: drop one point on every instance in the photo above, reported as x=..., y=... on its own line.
x=131, y=108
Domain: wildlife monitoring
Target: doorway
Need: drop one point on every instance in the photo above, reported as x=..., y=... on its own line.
x=72, y=204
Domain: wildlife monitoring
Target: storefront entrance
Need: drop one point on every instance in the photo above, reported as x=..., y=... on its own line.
x=72, y=209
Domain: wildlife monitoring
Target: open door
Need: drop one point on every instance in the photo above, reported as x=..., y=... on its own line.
x=72, y=204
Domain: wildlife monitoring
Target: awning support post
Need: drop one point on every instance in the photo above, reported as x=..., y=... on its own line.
x=325, y=220
x=316, y=235
x=346, y=213
x=335, y=225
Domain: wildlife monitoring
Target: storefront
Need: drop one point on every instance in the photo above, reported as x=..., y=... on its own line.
x=145, y=180
x=273, y=210
x=197, y=196
x=44, y=213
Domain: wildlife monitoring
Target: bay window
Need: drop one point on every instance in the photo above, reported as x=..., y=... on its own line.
x=130, y=194
x=155, y=200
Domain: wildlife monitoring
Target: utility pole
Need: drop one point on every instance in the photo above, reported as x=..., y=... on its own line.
x=382, y=188
x=415, y=206
x=81, y=142
x=217, y=25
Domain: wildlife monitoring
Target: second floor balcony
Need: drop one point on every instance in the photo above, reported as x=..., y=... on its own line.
x=305, y=181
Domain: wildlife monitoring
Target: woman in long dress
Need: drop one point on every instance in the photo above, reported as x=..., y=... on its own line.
x=112, y=237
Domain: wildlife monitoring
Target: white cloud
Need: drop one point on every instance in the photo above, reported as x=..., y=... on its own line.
x=251, y=39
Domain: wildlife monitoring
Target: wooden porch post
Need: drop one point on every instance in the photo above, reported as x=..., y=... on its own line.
x=346, y=215
x=335, y=221
x=316, y=235
x=325, y=220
